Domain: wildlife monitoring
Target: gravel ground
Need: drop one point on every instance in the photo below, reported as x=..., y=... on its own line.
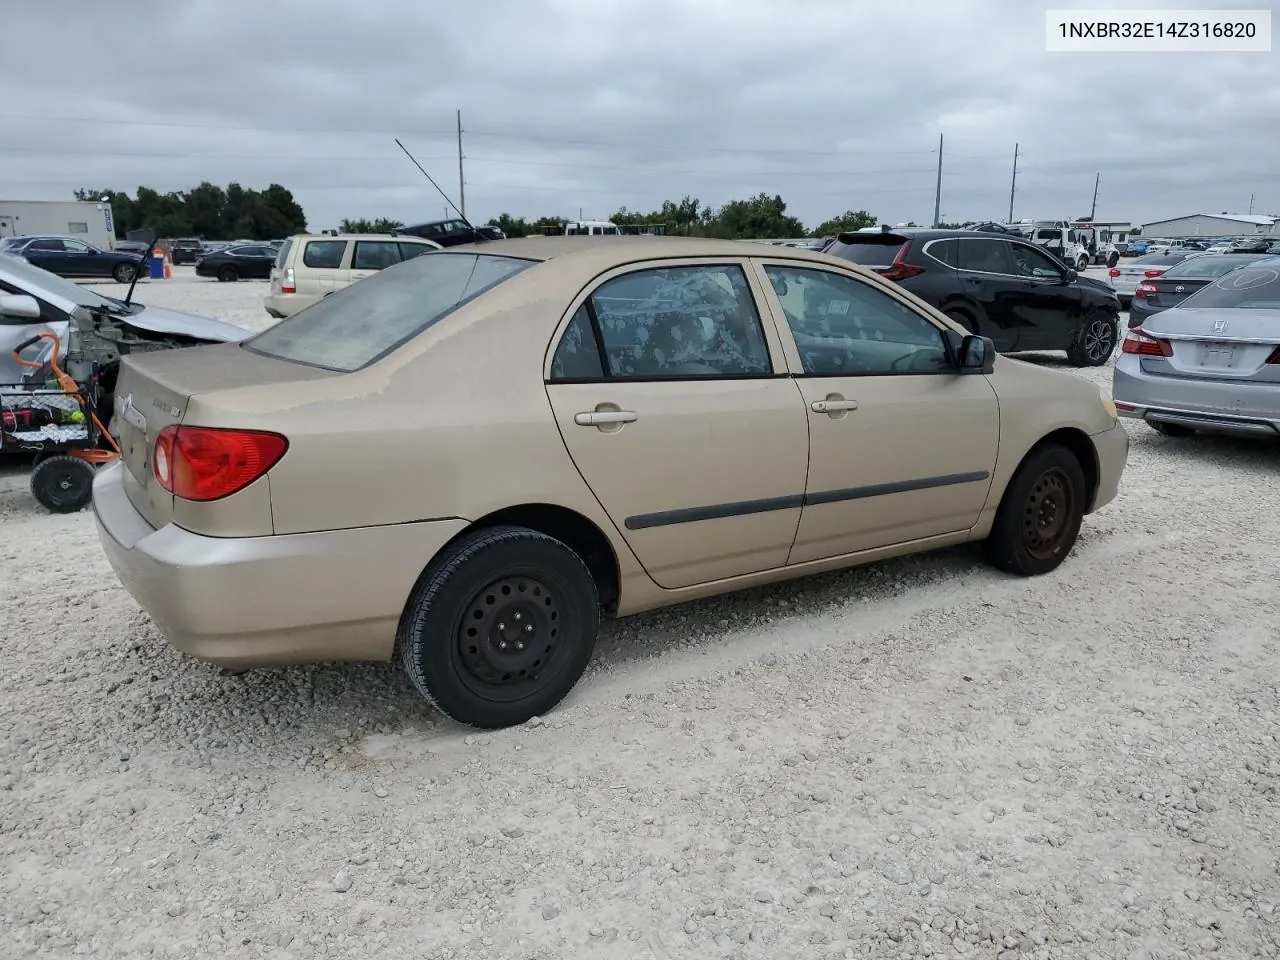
x=918, y=758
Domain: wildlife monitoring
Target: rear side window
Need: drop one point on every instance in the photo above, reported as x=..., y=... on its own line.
x=323, y=254
x=410, y=250
x=367, y=320
x=948, y=251
x=869, y=253
x=375, y=255
x=578, y=356
x=669, y=322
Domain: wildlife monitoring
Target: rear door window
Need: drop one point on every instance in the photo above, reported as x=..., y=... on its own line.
x=364, y=322
x=324, y=254
x=984, y=256
x=375, y=254
x=947, y=251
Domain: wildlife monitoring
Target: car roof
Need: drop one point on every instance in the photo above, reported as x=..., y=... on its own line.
x=398, y=238
x=606, y=252
x=928, y=233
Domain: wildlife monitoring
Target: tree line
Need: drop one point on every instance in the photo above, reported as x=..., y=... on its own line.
x=207, y=211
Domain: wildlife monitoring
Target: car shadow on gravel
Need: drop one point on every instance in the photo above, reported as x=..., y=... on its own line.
x=195, y=708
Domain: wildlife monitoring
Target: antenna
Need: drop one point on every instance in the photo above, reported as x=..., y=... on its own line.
x=433, y=183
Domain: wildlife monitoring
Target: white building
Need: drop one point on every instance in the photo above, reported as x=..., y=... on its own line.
x=1211, y=225
x=88, y=220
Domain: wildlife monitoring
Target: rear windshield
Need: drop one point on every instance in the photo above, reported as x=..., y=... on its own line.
x=367, y=320
x=1249, y=288
x=1201, y=267
x=871, y=253
x=1160, y=258
x=282, y=255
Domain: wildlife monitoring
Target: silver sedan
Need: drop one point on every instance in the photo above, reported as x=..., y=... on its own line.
x=1211, y=363
x=1125, y=277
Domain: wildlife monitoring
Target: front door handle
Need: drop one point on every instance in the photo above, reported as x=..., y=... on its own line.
x=833, y=406
x=598, y=418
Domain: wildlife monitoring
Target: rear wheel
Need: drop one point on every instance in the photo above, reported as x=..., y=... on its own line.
x=1095, y=341
x=1170, y=429
x=1113, y=259
x=1082, y=264
x=62, y=484
x=123, y=273
x=1040, y=514
x=228, y=274
x=500, y=626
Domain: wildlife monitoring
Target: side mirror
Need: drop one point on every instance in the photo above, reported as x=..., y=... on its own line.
x=1070, y=274
x=19, y=306
x=977, y=355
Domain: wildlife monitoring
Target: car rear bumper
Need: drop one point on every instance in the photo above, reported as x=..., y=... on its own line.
x=262, y=601
x=281, y=305
x=1242, y=408
x=1112, y=447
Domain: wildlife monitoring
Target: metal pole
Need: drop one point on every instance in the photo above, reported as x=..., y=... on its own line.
x=937, y=191
x=1014, y=184
x=462, y=184
x=1251, y=203
x=1093, y=211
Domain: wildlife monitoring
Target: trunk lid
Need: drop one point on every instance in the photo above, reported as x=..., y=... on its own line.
x=1218, y=344
x=153, y=391
x=1170, y=293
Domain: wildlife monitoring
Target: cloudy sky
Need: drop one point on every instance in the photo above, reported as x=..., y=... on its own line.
x=583, y=106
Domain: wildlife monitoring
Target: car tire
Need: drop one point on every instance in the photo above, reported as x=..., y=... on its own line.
x=465, y=635
x=1170, y=429
x=1113, y=260
x=962, y=318
x=1095, y=341
x=62, y=484
x=1082, y=264
x=1040, y=513
x=228, y=274
x=123, y=273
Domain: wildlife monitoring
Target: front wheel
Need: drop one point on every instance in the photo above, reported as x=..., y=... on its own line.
x=1082, y=264
x=1095, y=341
x=1040, y=514
x=500, y=626
x=1113, y=259
x=62, y=484
x=228, y=274
x=123, y=273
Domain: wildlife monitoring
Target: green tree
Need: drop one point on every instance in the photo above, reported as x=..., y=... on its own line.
x=365, y=225
x=206, y=210
x=847, y=222
x=511, y=226
x=757, y=218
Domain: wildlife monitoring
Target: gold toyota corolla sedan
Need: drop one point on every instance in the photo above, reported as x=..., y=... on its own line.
x=468, y=459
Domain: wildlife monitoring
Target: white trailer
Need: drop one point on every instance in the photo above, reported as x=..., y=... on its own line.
x=90, y=221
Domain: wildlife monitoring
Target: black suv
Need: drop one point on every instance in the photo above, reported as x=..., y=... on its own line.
x=995, y=285
x=450, y=233
x=185, y=250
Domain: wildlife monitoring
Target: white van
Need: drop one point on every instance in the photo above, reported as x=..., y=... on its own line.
x=591, y=228
x=311, y=266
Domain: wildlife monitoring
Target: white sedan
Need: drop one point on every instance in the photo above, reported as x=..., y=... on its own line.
x=1124, y=277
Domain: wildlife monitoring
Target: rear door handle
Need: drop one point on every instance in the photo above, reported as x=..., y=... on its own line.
x=597, y=417
x=833, y=406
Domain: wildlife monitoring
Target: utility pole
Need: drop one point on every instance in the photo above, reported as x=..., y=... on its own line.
x=1014, y=184
x=937, y=192
x=462, y=184
x=1093, y=210
x=1251, y=203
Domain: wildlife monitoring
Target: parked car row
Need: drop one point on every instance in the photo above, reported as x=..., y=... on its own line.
x=69, y=257
x=1140, y=246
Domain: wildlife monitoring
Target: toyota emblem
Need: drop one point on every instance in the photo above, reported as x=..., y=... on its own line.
x=1219, y=326
x=1179, y=288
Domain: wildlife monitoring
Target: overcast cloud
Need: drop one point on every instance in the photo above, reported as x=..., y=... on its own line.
x=588, y=105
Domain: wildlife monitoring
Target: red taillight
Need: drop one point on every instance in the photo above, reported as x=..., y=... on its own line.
x=1113, y=272
x=1136, y=341
x=287, y=283
x=209, y=463
x=1154, y=273
x=1143, y=289
x=899, y=270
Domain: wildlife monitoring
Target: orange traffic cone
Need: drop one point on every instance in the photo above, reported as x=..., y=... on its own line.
x=168, y=266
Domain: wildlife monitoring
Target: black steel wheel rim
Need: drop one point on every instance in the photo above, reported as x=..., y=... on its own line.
x=1098, y=340
x=1047, y=521
x=510, y=637
x=65, y=486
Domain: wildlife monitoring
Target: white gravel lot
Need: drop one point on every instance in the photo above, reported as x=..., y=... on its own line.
x=918, y=758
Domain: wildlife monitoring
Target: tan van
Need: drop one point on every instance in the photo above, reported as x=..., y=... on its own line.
x=309, y=267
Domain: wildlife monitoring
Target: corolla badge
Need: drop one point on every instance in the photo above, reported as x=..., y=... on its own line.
x=1219, y=326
